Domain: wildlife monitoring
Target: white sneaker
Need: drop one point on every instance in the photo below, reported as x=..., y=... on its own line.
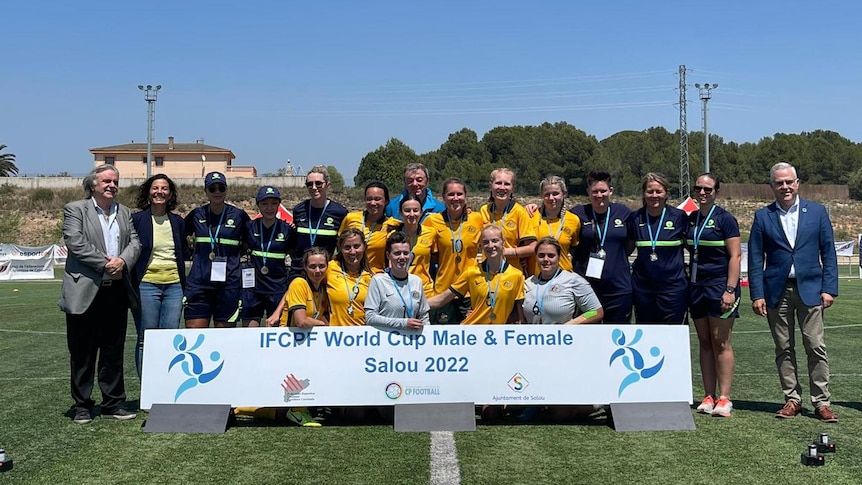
x=723, y=408
x=706, y=406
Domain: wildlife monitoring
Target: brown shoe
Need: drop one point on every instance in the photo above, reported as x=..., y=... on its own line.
x=790, y=410
x=826, y=415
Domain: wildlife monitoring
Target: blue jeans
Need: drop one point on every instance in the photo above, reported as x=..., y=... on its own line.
x=161, y=307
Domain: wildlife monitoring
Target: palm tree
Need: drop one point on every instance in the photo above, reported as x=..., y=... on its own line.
x=7, y=163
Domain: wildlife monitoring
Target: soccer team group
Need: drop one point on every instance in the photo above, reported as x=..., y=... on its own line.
x=412, y=260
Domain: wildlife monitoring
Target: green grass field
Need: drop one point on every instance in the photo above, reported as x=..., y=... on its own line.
x=750, y=447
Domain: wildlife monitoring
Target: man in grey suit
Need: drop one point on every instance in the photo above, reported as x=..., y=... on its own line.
x=97, y=293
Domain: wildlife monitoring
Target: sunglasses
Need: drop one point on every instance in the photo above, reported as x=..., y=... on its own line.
x=316, y=183
x=216, y=188
x=705, y=190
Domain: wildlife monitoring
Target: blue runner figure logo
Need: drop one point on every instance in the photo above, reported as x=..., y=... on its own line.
x=632, y=359
x=192, y=365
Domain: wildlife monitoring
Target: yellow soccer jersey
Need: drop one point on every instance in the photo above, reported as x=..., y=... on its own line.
x=508, y=286
x=566, y=230
x=346, y=296
x=519, y=229
x=300, y=295
x=451, y=262
x=375, y=238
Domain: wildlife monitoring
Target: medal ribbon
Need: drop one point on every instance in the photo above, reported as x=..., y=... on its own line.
x=408, y=309
x=654, y=240
x=604, y=232
x=214, y=237
x=312, y=234
x=268, y=244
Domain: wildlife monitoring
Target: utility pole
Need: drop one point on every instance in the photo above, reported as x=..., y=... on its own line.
x=684, y=176
x=705, y=95
x=150, y=95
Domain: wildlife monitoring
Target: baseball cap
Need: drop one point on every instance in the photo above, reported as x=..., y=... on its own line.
x=267, y=192
x=214, y=178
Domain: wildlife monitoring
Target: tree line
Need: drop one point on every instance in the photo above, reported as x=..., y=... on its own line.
x=533, y=152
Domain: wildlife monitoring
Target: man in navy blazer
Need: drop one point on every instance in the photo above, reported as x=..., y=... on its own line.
x=793, y=274
x=97, y=292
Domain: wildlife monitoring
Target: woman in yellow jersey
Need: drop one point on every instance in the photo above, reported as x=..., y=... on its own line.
x=456, y=238
x=307, y=307
x=518, y=228
x=421, y=239
x=306, y=301
x=496, y=288
x=347, y=280
x=371, y=222
x=553, y=220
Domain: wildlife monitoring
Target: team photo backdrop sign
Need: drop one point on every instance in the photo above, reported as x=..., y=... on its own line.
x=358, y=366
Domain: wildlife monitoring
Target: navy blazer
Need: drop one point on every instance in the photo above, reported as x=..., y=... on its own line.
x=813, y=255
x=143, y=222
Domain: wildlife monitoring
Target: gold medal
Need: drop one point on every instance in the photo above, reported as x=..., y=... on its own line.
x=212, y=256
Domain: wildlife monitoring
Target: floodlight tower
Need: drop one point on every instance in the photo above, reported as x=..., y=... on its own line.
x=151, y=94
x=705, y=95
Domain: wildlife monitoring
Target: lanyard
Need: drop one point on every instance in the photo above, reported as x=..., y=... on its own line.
x=492, y=209
x=312, y=234
x=559, y=229
x=408, y=309
x=316, y=306
x=457, y=244
x=351, y=294
x=654, y=240
x=268, y=244
x=603, y=233
x=370, y=231
x=540, y=300
x=697, y=234
x=214, y=237
x=492, y=294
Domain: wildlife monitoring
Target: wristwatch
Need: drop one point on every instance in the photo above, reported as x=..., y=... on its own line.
x=730, y=289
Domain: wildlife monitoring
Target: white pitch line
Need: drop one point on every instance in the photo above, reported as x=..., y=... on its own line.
x=444, y=459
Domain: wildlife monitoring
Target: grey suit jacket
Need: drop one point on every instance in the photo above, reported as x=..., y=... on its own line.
x=85, y=263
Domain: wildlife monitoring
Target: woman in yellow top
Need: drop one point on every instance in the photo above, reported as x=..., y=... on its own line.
x=456, y=238
x=371, y=223
x=306, y=301
x=518, y=228
x=496, y=288
x=553, y=220
x=421, y=240
x=347, y=280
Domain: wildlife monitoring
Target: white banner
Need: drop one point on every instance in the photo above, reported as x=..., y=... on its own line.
x=845, y=248
x=743, y=268
x=60, y=253
x=26, y=263
x=361, y=366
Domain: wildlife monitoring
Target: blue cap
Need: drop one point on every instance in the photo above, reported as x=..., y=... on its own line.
x=215, y=178
x=267, y=192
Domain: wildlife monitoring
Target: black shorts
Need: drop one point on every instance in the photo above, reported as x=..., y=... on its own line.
x=255, y=304
x=220, y=304
x=706, y=301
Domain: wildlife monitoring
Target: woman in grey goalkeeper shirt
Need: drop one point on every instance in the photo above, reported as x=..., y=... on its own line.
x=556, y=295
x=395, y=298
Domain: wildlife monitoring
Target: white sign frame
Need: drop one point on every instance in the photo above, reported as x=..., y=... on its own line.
x=483, y=364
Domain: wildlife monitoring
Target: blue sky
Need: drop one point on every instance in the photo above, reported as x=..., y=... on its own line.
x=327, y=82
